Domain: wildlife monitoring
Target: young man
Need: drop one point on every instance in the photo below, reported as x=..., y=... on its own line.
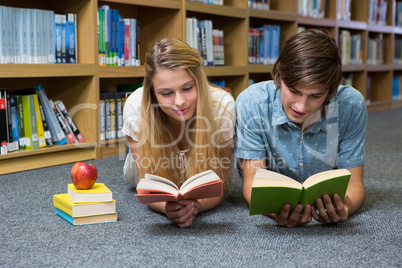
x=302, y=123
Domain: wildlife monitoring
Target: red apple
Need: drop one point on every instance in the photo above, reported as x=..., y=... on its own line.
x=83, y=175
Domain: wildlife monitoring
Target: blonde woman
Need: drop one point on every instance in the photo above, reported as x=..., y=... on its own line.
x=178, y=125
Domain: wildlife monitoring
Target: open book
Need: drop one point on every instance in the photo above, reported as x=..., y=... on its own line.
x=157, y=189
x=272, y=190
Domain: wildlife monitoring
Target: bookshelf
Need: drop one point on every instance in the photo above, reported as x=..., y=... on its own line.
x=79, y=85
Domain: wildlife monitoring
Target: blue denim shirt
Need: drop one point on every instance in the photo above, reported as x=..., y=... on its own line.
x=335, y=141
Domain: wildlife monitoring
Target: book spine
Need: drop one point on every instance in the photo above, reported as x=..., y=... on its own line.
x=112, y=116
x=16, y=14
x=48, y=135
x=70, y=121
x=63, y=20
x=119, y=115
x=3, y=123
x=57, y=37
x=44, y=36
x=39, y=123
x=22, y=139
x=64, y=126
x=50, y=28
x=2, y=35
x=107, y=117
x=102, y=117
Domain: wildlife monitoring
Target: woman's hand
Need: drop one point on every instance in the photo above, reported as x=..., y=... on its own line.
x=327, y=213
x=182, y=212
x=296, y=218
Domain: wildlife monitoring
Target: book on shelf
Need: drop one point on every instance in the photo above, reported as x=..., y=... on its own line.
x=65, y=204
x=71, y=43
x=118, y=38
x=98, y=193
x=154, y=188
x=14, y=135
x=112, y=217
x=56, y=131
x=311, y=8
x=39, y=123
x=30, y=123
x=69, y=120
x=63, y=123
x=46, y=130
x=3, y=123
x=259, y=4
x=272, y=190
x=34, y=36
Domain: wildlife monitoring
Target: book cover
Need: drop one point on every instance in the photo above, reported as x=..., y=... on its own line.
x=157, y=189
x=87, y=219
x=272, y=190
x=65, y=204
x=98, y=193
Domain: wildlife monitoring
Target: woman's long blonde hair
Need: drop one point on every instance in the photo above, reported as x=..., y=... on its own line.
x=156, y=132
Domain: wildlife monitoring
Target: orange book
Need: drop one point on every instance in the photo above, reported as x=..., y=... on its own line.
x=158, y=189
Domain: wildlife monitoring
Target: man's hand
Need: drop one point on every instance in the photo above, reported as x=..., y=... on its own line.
x=327, y=213
x=182, y=212
x=295, y=218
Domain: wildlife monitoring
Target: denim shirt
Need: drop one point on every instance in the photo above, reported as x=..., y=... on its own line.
x=265, y=132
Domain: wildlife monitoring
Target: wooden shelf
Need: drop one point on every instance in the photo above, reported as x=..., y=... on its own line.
x=170, y=4
x=46, y=70
x=115, y=71
x=219, y=10
x=272, y=15
x=260, y=68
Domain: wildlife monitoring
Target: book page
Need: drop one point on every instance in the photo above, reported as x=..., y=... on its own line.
x=265, y=177
x=160, y=179
x=325, y=175
x=199, y=179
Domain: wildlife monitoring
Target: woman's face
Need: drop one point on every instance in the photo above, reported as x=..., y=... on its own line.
x=176, y=93
x=301, y=104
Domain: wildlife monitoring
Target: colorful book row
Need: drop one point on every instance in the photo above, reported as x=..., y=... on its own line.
x=37, y=36
x=208, y=41
x=264, y=44
x=118, y=38
x=29, y=120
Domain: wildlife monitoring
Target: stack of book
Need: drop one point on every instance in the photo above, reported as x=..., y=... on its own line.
x=78, y=207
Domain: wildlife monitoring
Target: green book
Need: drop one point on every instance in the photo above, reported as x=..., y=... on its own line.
x=272, y=190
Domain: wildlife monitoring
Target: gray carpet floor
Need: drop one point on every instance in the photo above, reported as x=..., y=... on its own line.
x=32, y=235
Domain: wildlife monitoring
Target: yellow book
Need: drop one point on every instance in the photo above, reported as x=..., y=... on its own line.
x=30, y=127
x=64, y=203
x=98, y=193
x=39, y=123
